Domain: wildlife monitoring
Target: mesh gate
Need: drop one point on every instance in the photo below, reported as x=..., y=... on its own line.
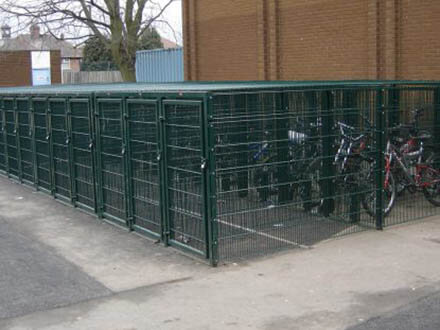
x=59, y=148
x=2, y=140
x=144, y=166
x=185, y=192
x=42, y=146
x=11, y=138
x=25, y=141
x=82, y=157
x=111, y=151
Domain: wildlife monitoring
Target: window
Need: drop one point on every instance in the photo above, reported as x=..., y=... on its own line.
x=65, y=64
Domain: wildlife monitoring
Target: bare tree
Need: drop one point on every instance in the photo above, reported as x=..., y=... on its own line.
x=118, y=23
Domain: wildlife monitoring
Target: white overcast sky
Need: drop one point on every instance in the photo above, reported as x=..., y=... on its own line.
x=173, y=15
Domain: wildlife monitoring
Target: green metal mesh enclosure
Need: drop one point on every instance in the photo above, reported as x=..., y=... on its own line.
x=228, y=171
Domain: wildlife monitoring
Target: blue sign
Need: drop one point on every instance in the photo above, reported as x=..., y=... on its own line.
x=41, y=77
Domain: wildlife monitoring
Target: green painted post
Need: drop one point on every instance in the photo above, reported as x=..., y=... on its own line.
x=380, y=148
x=70, y=152
x=3, y=135
x=99, y=185
x=239, y=104
x=352, y=117
x=92, y=147
x=51, y=151
x=393, y=113
x=327, y=147
x=17, y=139
x=164, y=173
x=159, y=158
x=33, y=142
x=128, y=175
x=210, y=181
x=282, y=145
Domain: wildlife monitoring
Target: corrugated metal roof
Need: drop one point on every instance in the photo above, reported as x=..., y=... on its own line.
x=208, y=86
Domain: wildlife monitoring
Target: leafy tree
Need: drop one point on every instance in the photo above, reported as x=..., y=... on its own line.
x=97, y=56
x=150, y=39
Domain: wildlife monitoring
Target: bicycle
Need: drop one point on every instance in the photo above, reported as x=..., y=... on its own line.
x=416, y=168
x=305, y=164
x=356, y=169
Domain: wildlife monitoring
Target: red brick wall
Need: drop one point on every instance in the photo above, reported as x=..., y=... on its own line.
x=222, y=40
x=420, y=39
x=16, y=68
x=55, y=67
x=322, y=38
x=311, y=39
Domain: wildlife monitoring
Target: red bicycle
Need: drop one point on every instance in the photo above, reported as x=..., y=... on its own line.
x=413, y=166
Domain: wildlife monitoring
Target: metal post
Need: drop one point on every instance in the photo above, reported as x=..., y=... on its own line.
x=210, y=180
x=380, y=147
x=17, y=140
x=99, y=199
x=33, y=141
x=163, y=157
x=128, y=175
x=70, y=152
x=3, y=135
x=327, y=147
x=51, y=151
x=92, y=147
x=282, y=145
x=352, y=117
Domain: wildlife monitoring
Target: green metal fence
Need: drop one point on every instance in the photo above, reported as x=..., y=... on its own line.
x=227, y=171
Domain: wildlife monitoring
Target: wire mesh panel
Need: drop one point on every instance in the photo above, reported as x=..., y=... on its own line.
x=412, y=145
x=2, y=139
x=25, y=140
x=353, y=151
x=59, y=148
x=145, y=181
x=111, y=168
x=42, y=146
x=279, y=180
x=11, y=137
x=185, y=190
x=82, y=156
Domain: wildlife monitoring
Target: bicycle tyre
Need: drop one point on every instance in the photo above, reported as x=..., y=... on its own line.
x=370, y=207
x=433, y=196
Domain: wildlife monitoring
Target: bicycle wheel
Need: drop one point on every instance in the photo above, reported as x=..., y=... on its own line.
x=368, y=184
x=310, y=189
x=430, y=179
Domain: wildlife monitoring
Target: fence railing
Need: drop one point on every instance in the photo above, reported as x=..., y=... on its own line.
x=91, y=77
x=229, y=171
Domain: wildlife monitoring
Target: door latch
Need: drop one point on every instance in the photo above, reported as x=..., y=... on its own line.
x=204, y=164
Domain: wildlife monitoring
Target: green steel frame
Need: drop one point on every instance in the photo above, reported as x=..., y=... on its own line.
x=177, y=162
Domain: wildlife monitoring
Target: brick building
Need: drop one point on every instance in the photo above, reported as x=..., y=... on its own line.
x=311, y=39
x=16, y=68
x=36, y=41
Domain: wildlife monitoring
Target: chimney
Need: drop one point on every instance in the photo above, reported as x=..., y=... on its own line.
x=35, y=31
x=6, y=32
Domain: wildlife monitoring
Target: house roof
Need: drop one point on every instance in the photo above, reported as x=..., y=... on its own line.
x=167, y=44
x=41, y=43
